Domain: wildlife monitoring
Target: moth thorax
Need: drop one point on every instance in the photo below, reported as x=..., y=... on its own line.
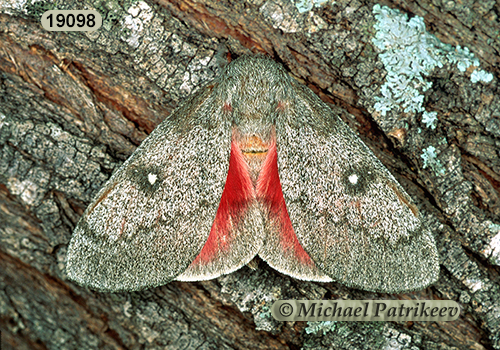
x=254, y=149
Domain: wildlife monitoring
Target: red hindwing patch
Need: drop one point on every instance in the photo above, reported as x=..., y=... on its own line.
x=269, y=189
x=237, y=194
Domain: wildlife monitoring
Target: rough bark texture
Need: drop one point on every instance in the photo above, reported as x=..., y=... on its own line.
x=73, y=106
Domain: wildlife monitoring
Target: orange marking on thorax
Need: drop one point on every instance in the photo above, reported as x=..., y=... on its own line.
x=253, y=145
x=254, y=151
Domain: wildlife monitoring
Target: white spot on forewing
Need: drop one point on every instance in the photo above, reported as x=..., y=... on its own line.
x=152, y=178
x=353, y=179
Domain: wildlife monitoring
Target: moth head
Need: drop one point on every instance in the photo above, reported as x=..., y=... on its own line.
x=253, y=88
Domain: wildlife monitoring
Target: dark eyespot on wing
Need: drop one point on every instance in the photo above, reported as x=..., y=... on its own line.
x=356, y=179
x=148, y=178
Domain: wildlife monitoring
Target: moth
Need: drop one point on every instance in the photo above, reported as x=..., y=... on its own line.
x=253, y=164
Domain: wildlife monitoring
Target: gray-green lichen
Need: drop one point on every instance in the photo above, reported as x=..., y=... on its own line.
x=31, y=8
x=365, y=335
x=430, y=159
x=323, y=326
x=409, y=53
x=430, y=119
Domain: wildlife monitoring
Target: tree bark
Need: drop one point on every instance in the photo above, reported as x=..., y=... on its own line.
x=75, y=105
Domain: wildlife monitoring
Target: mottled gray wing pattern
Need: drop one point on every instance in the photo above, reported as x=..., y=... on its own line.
x=347, y=210
x=154, y=214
